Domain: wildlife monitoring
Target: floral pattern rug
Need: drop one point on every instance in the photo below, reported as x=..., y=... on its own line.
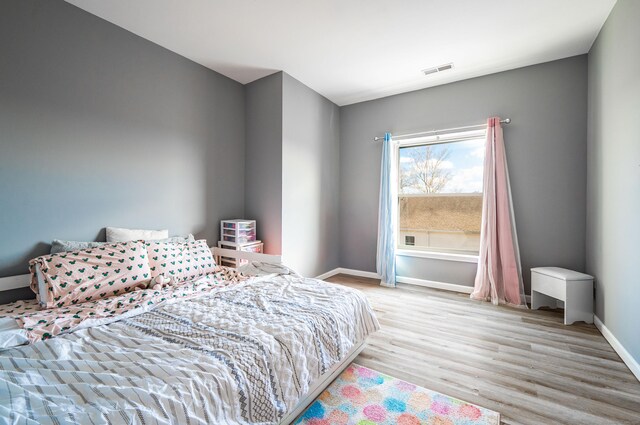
x=362, y=396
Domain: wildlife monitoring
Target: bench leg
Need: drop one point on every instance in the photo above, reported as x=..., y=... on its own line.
x=541, y=300
x=579, y=304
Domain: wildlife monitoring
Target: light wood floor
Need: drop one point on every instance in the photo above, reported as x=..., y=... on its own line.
x=524, y=364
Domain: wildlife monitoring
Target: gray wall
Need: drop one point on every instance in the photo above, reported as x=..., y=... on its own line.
x=263, y=159
x=456, y=272
x=613, y=209
x=310, y=179
x=103, y=128
x=546, y=151
x=292, y=172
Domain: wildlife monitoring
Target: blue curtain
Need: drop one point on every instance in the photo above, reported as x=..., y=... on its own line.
x=388, y=213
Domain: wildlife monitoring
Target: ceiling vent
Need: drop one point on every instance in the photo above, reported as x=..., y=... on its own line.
x=436, y=69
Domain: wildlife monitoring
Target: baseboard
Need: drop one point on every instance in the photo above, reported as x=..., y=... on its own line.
x=408, y=280
x=626, y=357
x=352, y=272
x=400, y=279
x=330, y=273
x=434, y=284
x=359, y=273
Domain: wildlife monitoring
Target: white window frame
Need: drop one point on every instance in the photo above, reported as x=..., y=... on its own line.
x=436, y=139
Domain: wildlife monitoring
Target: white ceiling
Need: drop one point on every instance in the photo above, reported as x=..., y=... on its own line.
x=356, y=50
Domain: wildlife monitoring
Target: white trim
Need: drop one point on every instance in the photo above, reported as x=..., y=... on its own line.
x=352, y=272
x=626, y=357
x=14, y=282
x=400, y=279
x=328, y=274
x=244, y=255
x=437, y=255
x=453, y=287
x=359, y=273
x=461, y=135
x=439, y=195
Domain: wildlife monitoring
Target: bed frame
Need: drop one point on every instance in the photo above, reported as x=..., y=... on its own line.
x=322, y=383
x=242, y=255
x=24, y=280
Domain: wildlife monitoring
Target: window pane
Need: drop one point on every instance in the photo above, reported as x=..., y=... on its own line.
x=440, y=196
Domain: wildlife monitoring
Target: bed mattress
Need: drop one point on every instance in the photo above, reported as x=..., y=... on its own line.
x=242, y=353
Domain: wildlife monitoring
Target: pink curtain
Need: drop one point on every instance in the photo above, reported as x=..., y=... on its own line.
x=499, y=275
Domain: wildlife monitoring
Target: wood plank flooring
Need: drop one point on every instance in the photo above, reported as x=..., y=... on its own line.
x=524, y=364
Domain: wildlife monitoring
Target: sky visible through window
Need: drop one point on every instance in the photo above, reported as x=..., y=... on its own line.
x=442, y=168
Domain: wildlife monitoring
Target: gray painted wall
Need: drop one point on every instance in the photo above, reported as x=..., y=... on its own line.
x=456, y=272
x=613, y=209
x=292, y=172
x=546, y=151
x=263, y=159
x=103, y=128
x=310, y=179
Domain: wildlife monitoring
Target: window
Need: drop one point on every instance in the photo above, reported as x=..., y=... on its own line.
x=440, y=193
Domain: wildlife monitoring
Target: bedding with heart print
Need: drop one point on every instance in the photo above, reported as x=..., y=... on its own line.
x=70, y=278
x=180, y=261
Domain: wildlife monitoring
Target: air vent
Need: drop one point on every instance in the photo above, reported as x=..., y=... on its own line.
x=440, y=68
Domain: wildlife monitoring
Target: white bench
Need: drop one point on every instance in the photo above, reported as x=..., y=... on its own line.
x=575, y=289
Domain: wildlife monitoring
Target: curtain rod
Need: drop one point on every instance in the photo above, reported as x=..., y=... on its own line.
x=444, y=131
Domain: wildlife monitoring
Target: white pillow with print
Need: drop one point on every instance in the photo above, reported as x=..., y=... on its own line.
x=118, y=234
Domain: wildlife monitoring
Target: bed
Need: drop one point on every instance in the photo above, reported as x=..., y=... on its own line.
x=231, y=351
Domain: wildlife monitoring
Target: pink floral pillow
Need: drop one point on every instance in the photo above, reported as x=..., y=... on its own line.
x=69, y=278
x=180, y=261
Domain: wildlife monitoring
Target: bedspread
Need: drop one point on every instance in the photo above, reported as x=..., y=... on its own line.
x=37, y=324
x=243, y=353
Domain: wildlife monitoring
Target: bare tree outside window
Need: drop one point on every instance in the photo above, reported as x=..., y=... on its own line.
x=440, y=196
x=424, y=170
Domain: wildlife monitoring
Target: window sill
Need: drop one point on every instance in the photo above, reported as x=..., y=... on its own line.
x=464, y=258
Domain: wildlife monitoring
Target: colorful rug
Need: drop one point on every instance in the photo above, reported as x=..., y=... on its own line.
x=361, y=396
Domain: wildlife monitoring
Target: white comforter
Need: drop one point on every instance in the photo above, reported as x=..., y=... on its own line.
x=246, y=353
